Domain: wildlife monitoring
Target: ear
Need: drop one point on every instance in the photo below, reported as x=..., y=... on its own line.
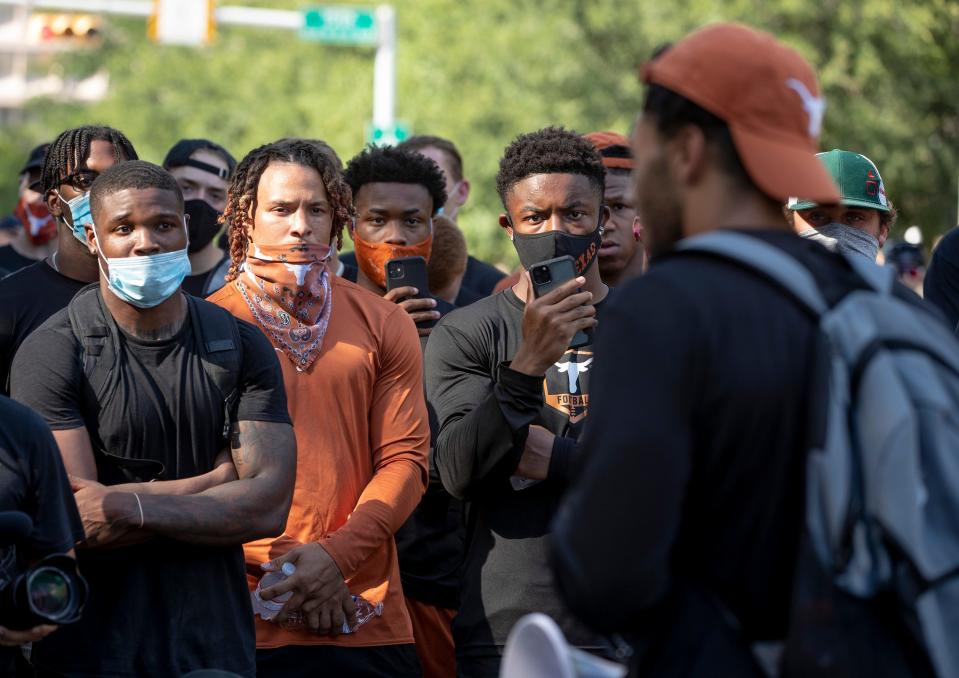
x=91, y=239
x=604, y=215
x=462, y=193
x=689, y=154
x=505, y=223
x=883, y=234
x=637, y=229
x=54, y=205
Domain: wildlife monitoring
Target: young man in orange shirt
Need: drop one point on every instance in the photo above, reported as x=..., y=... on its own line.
x=353, y=371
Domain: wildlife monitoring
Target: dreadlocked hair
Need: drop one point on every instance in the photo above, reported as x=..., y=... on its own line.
x=241, y=197
x=71, y=149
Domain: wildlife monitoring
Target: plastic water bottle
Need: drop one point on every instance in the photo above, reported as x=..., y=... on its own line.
x=268, y=609
x=365, y=611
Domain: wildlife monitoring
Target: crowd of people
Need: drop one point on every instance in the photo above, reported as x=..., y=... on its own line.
x=205, y=390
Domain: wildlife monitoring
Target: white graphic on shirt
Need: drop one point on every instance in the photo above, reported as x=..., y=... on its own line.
x=815, y=106
x=572, y=370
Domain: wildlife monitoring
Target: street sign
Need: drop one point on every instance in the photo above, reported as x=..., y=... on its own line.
x=339, y=25
x=387, y=136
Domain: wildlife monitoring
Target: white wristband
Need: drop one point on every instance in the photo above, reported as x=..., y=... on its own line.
x=139, y=506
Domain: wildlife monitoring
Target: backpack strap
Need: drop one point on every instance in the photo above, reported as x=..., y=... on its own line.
x=217, y=277
x=768, y=260
x=221, y=351
x=880, y=278
x=97, y=336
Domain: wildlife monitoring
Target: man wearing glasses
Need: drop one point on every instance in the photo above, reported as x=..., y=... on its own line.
x=31, y=295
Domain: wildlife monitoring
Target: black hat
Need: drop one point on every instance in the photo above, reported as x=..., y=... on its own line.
x=179, y=156
x=35, y=160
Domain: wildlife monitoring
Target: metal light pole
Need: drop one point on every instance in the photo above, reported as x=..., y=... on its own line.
x=384, y=69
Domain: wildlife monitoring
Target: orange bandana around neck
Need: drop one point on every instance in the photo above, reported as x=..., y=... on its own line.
x=287, y=288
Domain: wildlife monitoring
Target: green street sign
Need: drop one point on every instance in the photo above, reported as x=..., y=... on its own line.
x=339, y=25
x=387, y=136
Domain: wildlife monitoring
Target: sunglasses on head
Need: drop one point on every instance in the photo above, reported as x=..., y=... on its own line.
x=81, y=180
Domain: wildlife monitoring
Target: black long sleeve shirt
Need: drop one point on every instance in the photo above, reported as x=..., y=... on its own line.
x=694, y=453
x=484, y=410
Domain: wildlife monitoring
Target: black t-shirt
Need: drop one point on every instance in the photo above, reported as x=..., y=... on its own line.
x=197, y=285
x=693, y=458
x=480, y=277
x=27, y=298
x=11, y=260
x=33, y=481
x=164, y=607
x=941, y=284
x=484, y=410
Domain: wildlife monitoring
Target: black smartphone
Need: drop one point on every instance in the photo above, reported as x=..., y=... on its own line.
x=547, y=276
x=409, y=272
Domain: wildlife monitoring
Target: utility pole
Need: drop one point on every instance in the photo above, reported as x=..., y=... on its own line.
x=186, y=22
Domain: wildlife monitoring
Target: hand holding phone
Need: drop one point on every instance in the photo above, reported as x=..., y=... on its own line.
x=407, y=284
x=557, y=318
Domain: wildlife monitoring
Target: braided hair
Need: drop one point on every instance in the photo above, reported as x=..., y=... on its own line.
x=241, y=197
x=71, y=149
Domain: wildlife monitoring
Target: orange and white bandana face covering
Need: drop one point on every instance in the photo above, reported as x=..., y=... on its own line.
x=371, y=257
x=287, y=288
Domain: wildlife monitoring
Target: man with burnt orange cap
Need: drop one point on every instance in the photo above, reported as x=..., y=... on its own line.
x=693, y=481
x=621, y=254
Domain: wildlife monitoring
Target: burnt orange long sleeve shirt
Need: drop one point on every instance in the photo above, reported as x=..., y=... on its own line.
x=362, y=442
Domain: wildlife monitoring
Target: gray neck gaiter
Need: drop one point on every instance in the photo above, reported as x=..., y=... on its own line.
x=844, y=239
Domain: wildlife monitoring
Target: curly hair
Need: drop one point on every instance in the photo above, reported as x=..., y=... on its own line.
x=551, y=150
x=241, y=196
x=388, y=164
x=71, y=149
x=135, y=174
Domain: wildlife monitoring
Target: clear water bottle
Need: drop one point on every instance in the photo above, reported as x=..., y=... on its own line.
x=365, y=611
x=268, y=609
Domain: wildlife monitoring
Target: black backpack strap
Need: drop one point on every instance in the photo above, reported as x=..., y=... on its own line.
x=97, y=336
x=221, y=351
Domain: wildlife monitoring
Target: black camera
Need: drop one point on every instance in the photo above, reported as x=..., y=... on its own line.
x=395, y=270
x=541, y=274
x=48, y=592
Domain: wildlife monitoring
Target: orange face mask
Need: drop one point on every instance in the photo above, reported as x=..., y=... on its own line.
x=371, y=257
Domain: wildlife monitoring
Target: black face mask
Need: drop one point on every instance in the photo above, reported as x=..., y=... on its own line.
x=203, y=223
x=538, y=247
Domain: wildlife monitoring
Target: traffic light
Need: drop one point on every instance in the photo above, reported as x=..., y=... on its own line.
x=73, y=29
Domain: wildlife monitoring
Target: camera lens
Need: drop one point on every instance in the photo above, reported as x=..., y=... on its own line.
x=50, y=593
x=541, y=275
x=395, y=271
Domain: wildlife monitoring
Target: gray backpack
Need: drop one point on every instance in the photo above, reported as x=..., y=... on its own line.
x=882, y=482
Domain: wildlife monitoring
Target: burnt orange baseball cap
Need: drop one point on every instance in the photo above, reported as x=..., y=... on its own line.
x=605, y=140
x=765, y=92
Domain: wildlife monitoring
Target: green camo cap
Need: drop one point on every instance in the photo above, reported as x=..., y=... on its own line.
x=857, y=178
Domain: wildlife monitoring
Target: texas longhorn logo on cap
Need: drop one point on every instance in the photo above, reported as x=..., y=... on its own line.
x=814, y=106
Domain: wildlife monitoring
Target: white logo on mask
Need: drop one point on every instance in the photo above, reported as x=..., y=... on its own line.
x=815, y=106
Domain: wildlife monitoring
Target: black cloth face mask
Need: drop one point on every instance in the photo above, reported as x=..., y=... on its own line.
x=203, y=224
x=532, y=249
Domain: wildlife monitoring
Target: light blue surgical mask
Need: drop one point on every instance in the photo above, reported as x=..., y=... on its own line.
x=79, y=214
x=147, y=281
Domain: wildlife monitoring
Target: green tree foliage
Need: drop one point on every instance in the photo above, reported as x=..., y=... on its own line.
x=481, y=73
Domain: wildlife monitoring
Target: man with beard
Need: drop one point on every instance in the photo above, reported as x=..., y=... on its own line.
x=353, y=372
x=694, y=457
x=203, y=169
x=511, y=397
x=36, y=230
x=31, y=295
x=621, y=255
